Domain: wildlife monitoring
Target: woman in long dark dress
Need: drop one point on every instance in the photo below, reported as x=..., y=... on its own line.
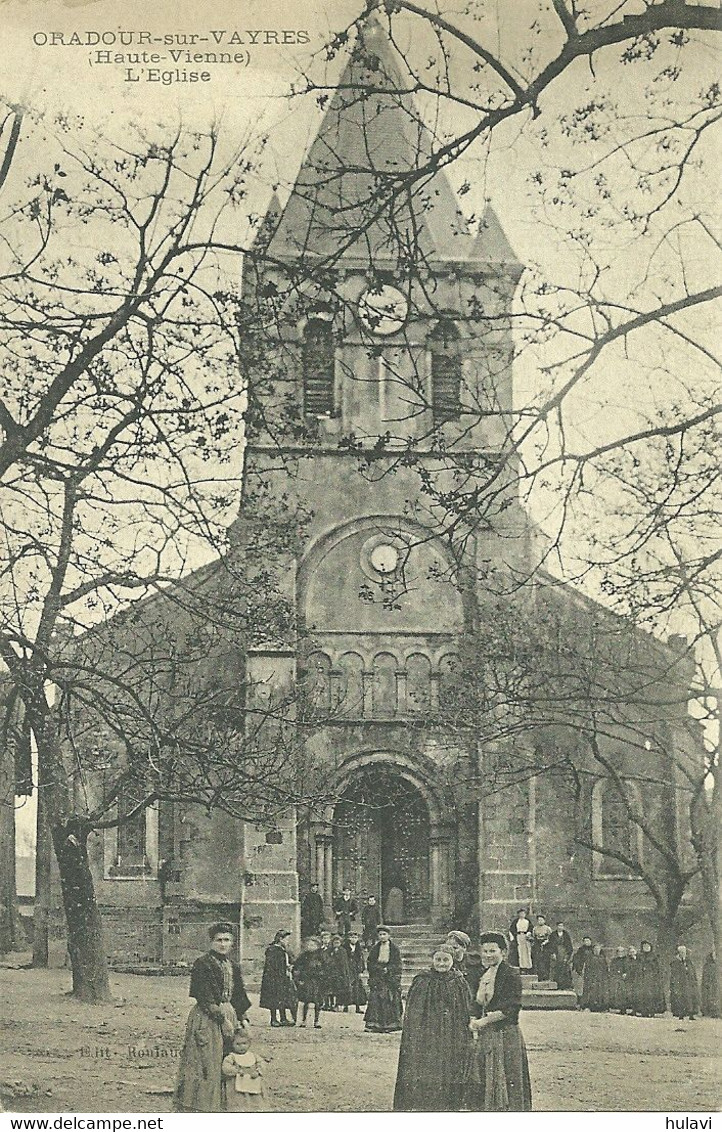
x=278, y=990
x=435, y=1042
x=357, y=966
x=648, y=989
x=618, y=981
x=560, y=957
x=383, y=1013
x=595, y=993
x=579, y=962
x=540, y=955
x=498, y=1076
x=221, y=1003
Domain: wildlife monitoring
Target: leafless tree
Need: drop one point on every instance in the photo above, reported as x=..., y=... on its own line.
x=122, y=409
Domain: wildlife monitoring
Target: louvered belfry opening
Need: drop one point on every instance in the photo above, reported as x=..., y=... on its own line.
x=318, y=358
x=444, y=346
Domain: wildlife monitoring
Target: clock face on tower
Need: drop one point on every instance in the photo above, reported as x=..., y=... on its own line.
x=383, y=310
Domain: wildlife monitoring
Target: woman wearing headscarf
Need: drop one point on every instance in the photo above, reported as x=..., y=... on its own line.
x=436, y=1039
x=221, y=1004
x=278, y=990
x=498, y=1076
x=383, y=1013
x=648, y=989
x=459, y=942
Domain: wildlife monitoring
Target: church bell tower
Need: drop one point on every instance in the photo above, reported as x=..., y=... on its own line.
x=380, y=396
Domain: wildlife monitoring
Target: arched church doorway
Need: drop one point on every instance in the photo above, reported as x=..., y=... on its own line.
x=382, y=843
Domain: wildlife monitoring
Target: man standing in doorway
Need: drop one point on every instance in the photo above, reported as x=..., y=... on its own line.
x=370, y=918
x=346, y=910
x=311, y=912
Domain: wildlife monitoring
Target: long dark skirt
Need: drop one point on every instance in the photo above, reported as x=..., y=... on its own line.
x=560, y=972
x=435, y=1044
x=595, y=991
x=541, y=959
x=198, y=1088
x=383, y=1013
x=618, y=985
x=648, y=990
x=358, y=996
x=498, y=1076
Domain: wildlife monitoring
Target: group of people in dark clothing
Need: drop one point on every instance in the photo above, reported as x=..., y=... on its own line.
x=461, y=1045
x=326, y=975
x=630, y=983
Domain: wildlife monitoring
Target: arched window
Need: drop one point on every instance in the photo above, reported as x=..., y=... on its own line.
x=318, y=682
x=418, y=683
x=351, y=692
x=384, y=686
x=444, y=347
x=616, y=836
x=132, y=833
x=449, y=691
x=130, y=849
x=318, y=362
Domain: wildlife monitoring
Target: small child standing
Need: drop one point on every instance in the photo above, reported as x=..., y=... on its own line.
x=242, y=1070
x=357, y=966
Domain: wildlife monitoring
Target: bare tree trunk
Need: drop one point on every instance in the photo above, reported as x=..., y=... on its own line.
x=85, y=926
x=666, y=944
x=43, y=861
x=8, y=898
x=715, y=897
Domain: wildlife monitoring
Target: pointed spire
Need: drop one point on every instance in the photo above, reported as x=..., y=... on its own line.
x=350, y=198
x=265, y=230
x=491, y=244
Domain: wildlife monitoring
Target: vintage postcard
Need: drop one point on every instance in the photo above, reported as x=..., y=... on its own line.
x=360, y=613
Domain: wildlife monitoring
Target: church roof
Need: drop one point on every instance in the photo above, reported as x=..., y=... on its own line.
x=352, y=200
x=491, y=244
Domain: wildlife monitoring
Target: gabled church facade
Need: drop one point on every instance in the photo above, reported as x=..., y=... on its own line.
x=379, y=409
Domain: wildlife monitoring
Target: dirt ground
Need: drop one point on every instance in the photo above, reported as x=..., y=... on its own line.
x=58, y=1055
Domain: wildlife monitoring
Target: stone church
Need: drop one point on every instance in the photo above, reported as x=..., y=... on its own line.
x=379, y=410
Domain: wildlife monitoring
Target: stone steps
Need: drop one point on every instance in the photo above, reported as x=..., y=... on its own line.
x=548, y=1000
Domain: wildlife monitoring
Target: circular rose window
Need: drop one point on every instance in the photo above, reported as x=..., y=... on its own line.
x=384, y=558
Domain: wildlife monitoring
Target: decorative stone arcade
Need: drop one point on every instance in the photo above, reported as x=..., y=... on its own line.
x=387, y=832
